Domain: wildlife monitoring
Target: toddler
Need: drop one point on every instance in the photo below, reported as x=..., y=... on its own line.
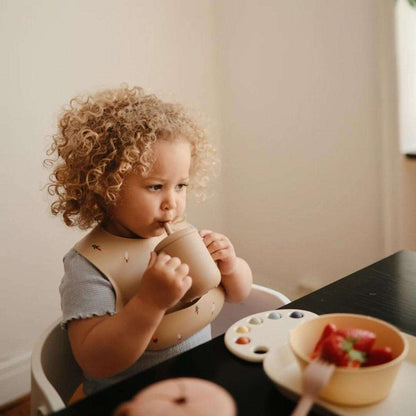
x=123, y=163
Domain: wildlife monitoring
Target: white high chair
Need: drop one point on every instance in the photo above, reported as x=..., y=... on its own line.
x=55, y=375
x=54, y=372
x=261, y=299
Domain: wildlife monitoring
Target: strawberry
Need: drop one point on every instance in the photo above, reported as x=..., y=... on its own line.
x=340, y=351
x=332, y=350
x=328, y=330
x=351, y=347
x=362, y=339
x=378, y=356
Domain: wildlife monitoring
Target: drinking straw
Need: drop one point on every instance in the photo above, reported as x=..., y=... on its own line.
x=168, y=228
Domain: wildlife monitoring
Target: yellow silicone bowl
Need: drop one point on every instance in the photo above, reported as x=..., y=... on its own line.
x=353, y=386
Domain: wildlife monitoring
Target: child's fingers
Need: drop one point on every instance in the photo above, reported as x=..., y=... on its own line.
x=175, y=265
x=173, y=262
x=211, y=237
x=163, y=258
x=218, y=245
x=204, y=232
x=182, y=269
x=152, y=260
x=223, y=246
x=171, y=268
x=186, y=282
x=221, y=254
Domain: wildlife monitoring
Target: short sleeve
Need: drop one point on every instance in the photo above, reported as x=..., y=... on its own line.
x=84, y=290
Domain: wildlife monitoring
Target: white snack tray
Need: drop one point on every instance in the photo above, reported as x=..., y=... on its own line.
x=282, y=368
x=265, y=330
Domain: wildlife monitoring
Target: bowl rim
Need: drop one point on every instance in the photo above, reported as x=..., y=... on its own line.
x=369, y=369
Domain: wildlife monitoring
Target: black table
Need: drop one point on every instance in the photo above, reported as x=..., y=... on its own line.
x=386, y=290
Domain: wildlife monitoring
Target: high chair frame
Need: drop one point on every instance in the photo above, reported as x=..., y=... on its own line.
x=260, y=299
x=55, y=375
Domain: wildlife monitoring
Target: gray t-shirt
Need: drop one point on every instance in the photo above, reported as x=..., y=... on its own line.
x=86, y=292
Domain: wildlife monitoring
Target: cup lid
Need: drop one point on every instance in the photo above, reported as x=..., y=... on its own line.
x=173, y=237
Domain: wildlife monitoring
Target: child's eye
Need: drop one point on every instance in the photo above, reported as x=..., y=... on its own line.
x=155, y=187
x=181, y=186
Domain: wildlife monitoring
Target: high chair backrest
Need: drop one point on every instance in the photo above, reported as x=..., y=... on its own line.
x=55, y=375
x=261, y=299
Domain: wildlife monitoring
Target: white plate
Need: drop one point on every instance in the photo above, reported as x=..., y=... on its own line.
x=281, y=367
x=265, y=330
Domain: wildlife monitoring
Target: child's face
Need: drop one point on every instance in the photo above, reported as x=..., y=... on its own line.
x=146, y=203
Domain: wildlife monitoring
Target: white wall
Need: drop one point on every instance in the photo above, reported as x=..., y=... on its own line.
x=300, y=95
x=304, y=129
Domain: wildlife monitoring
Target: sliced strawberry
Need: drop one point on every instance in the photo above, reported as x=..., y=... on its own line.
x=351, y=347
x=378, y=356
x=362, y=339
x=340, y=351
x=333, y=350
x=328, y=330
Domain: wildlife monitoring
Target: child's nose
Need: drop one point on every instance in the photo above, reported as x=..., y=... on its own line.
x=169, y=202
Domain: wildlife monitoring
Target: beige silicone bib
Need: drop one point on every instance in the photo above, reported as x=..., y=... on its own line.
x=123, y=261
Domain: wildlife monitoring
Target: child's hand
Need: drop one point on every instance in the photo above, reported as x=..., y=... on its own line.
x=221, y=250
x=165, y=280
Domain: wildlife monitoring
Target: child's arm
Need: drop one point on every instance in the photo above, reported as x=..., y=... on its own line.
x=106, y=345
x=236, y=276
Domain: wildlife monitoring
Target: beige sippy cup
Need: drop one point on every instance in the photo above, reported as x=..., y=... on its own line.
x=188, y=245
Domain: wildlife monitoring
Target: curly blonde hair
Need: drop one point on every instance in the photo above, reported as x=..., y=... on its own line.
x=104, y=137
